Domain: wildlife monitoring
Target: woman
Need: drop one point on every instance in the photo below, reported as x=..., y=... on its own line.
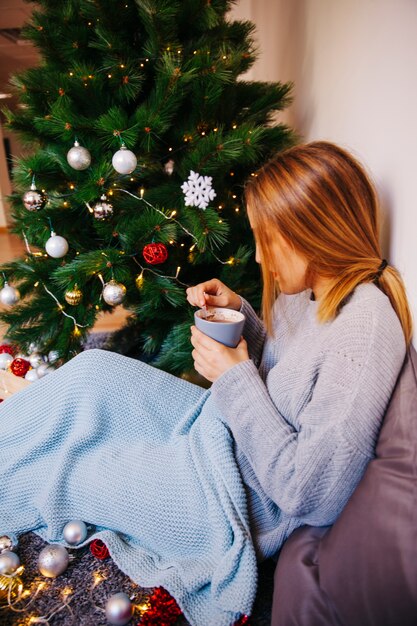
x=185, y=485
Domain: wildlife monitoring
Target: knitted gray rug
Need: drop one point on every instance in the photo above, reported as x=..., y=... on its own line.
x=87, y=584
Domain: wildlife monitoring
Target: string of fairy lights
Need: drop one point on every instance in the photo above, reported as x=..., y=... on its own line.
x=113, y=293
x=20, y=599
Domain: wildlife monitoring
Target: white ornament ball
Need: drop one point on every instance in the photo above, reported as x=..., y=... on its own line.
x=114, y=293
x=6, y=544
x=119, y=609
x=75, y=532
x=124, y=161
x=9, y=562
x=5, y=360
x=78, y=157
x=9, y=295
x=53, y=560
x=56, y=246
x=31, y=375
x=43, y=370
x=35, y=359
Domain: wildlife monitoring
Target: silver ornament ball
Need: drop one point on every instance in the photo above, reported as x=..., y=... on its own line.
x=5, y=360
x=56, y=246
x=31, y=375
x=75, y=532
x=43, y=370
x=124, y=161
x=102, y=210
x=35, y=359
x=53, y=355
x=169, y=167
x=9, y=295
x=9, y=562
x=78, y=157
x=53, y=560
x=114, y=293
x=6, y=544
x=119, y=609
x=34, y=200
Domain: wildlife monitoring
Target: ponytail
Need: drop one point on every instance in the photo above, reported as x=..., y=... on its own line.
x=391, y=283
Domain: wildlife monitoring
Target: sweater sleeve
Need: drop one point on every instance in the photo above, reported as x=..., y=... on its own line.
x=311, y=472
x=254, y=331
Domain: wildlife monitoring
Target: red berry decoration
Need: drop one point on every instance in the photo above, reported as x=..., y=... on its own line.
x=5, y=347
x=243, y=621
x=155, y=253
x=99, y=549
x=19, y=367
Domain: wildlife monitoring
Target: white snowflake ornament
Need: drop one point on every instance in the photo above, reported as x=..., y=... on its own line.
x=198, y=190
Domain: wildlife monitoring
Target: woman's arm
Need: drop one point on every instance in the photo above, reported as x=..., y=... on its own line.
x=254, y=332
x=311, y=472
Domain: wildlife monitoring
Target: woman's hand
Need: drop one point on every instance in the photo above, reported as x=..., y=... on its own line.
x=213, y=293
x=211, y=358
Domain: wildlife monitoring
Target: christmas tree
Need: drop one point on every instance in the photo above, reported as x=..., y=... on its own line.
x=141, y=138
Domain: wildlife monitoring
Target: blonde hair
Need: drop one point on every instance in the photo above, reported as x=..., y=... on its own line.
x=320, y=199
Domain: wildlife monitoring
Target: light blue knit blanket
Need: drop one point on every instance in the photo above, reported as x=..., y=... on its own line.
x=145, y=459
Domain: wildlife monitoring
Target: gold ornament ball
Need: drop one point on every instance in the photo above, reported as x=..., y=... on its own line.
x=73, y=296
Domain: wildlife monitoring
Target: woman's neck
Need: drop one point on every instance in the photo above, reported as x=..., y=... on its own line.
x=320, y=286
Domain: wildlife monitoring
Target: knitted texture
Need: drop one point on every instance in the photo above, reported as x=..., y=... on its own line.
x=150, y=459
x=144, y=458
x=306, y=423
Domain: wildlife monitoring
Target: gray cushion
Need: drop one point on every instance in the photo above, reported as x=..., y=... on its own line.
x=362, y=571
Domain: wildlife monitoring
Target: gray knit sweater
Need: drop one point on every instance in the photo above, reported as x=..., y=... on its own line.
x=306, y=409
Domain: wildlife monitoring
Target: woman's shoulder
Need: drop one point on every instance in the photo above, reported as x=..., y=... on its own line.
x=370, y=302
x=368, y=321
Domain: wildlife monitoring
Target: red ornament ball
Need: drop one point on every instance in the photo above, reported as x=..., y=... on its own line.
x=99, y=549
x=5, y=347
x=244, y=620
x=155, y=253
x=19, y=367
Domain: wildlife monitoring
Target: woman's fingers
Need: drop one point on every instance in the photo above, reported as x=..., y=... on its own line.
x=202, y=341
x=213, y=293
x=199, y=294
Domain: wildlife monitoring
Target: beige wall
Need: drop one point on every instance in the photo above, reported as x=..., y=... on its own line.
x=354, y=64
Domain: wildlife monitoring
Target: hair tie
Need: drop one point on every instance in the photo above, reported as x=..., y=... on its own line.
x=381, y=268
